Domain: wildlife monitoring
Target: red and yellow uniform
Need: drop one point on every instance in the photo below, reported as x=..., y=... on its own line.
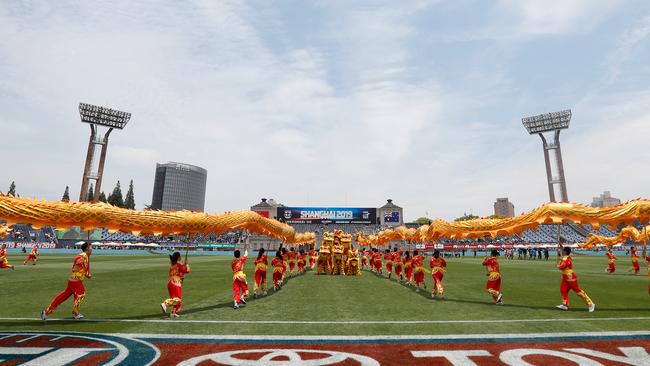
x=438, y=269
x=376, y=262
x=364, y=259
x=291, y=256
x=353, y=268
x=4, y=263
x=260, y=273
x=302, y=261
x=277, y=272
x=397, y=261
x=388, y=260
x=80, y=271
x=177, y=274
x=570, y=282
x=32, y=256
x=408, y=269
x=312, y=258
x=337, y=259
x=323, y=258
x=611, y=262
x=418, y=271
x=635, y=261
x=493, y=285
x=647, y=262
x=239, y=285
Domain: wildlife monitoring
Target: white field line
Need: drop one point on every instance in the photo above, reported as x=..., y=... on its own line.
x=340, y=322
x=389, y=337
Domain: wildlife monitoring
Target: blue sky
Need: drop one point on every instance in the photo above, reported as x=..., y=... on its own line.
x=332, y=103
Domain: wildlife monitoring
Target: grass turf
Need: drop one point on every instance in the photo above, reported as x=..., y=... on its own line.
x=132, y=287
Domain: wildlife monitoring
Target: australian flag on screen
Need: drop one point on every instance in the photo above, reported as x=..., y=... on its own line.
x=391, y=216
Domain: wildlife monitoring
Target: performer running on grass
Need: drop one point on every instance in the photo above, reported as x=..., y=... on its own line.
x=75, y=286
x=493, y=285
x=239, y=285
x=438, y=268
x=408, y=268
x=611, y=261
x=261, y=261
x=570, y=282
x=364, y=258
x=177, y=272
x=635, y=261
x=388, y=259
x=418, y=271
x=302, y=261
x=4, y=263
x=397, y=262
x=278, y=267
x=376, y=261
x=32, y=256
x=292, y=261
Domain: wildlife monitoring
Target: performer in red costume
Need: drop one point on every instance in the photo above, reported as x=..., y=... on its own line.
x=418, y=272
x=493, y=285
x=239, y=285
x=647, y=262
x=635, y=261
x=261, y=261
x=397, y=262
x=312, y=258
x=570, y=282
x=4, y=263
x=278, y=268
x=408, y=268
x=292, y=261
x=438, y=268
x=32, y=256
x=80, y=271
x=376, y=261
x=388, y=259
x=364, y=258
x=302, y=261
x=611, y=261
x=177, y=272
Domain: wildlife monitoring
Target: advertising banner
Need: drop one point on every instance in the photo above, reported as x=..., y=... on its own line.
x=327, y=215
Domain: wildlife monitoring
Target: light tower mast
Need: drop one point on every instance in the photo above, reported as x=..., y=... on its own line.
x=551, y=123
x=98, y=117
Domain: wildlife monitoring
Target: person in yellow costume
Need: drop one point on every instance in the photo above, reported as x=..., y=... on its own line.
x=324, y=254
x=337, y=255
x=353, y=268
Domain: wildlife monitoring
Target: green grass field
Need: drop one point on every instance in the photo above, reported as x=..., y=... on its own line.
x=132, y=287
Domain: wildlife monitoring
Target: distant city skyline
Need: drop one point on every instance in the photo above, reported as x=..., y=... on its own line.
x=331, y=103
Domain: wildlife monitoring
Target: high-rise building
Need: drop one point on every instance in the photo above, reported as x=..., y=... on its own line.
x=503, y=207
x=179, y=186
x=605, y=200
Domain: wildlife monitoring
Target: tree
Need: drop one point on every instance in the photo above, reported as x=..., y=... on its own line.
x=102, y=197
x=422, y=221
x=129, y=201
x=496, y=217
x=466, y=217
x=12, y=189
x=91, y=193
x=66, y=194
x=115, y=198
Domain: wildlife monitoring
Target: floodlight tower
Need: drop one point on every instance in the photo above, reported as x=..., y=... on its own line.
x=98, y=117
x=551, y=123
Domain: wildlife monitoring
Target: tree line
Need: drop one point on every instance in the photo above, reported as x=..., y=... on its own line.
x=115, y=198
